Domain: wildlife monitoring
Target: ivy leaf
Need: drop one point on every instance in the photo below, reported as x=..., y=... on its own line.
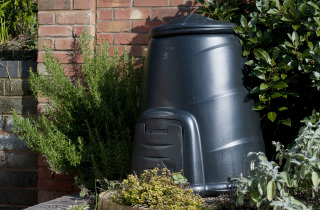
x=315, y=179
x=272, y=116
x=271, y=190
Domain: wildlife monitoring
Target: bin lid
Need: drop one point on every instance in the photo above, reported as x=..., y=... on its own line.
x=193, y=24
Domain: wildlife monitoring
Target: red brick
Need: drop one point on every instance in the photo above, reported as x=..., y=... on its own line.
x=66, y=44
x=184, y=3
x=104, y=37
x=44, y=196
x=114, y=26
x=77, y=30
x=63, y=57
x=45, y=42
x=114, y=3
x=42, y=160
x=105, y=15
x=53, y=185
x=132, y=13
x=44, y=173
x=54, y=4
x=167, y=14
x=45, y=18
x=145, y=26
x=73, y=70
x=55, y=31
x=83, y=4
x=76, y=17
x=121, y=49
x=131, y=38
x=138, y=51
x=150, y=3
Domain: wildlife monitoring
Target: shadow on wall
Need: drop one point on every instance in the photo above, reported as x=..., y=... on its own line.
x=136, y=45
x=140, y=41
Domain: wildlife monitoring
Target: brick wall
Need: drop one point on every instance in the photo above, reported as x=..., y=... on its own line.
x=18, y=164
x=119, y=22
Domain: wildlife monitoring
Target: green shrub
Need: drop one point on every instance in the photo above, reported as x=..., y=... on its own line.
x=157, y=190
x=88, y=126
x=292, y=185
x=281, y=42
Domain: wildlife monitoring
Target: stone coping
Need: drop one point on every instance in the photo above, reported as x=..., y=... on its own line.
x=62, y=203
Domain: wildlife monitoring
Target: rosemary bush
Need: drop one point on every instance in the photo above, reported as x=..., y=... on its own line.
x=89, y=124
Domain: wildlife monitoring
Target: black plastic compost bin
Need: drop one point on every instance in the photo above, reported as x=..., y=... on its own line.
x=197, y=115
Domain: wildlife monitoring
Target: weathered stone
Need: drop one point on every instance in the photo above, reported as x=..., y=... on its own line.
x=2, y=82
x=17, y=87
x=26, y=67
x=3, y=71
x=22, y=105
x=12, y=142
x=13, y=68
x=18, y=178
x=9, y=124
x=2, y=159
x=1, y=123
x=22, y=160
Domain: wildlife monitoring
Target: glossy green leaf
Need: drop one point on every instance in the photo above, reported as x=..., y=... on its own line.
x=295, y=27
x=273, y=12
x=243, y=21
x=271, y=190
x=238, y=29
x=283, y=76
x=272, y=116
x=286, y=122
x=281, y=109
x=279, y=85
x=264, y=86
x=245, y=53
x=313, y=5
x=276, y=95
x=275, y=53
x=260, y=75
x=262, y=54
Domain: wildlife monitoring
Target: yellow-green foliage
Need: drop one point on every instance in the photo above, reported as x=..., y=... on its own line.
x=156, y=190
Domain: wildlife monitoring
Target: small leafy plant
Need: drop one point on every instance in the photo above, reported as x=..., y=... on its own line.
x=293, y=182
x=157, y=189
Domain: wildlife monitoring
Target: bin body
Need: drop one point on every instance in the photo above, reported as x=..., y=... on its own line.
x=197, y=115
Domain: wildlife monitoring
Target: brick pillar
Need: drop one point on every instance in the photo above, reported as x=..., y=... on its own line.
x=18, y=164
x=60, y=23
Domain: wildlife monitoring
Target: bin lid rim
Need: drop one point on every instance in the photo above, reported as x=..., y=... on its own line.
x=193, y=24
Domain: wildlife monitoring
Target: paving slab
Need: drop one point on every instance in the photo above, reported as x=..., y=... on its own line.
x=62, y=203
